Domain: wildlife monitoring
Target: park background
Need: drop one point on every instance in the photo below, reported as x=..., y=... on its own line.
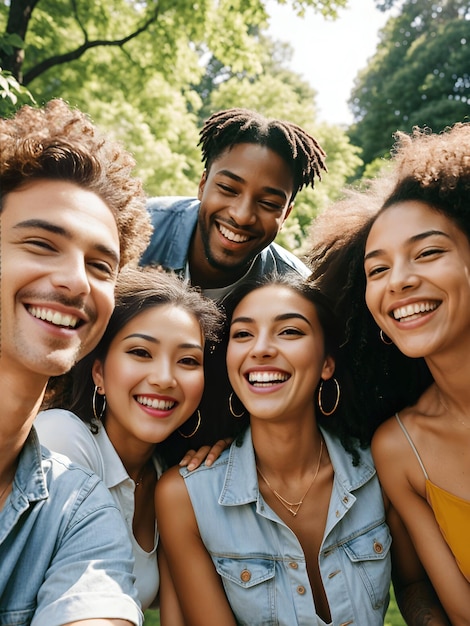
x=149, y=72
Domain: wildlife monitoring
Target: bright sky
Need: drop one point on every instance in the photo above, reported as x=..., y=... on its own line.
x=328, y=54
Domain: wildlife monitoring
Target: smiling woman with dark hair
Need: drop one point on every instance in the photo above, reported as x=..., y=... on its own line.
x=132, y=405
x=408, y=339
x=286, y=527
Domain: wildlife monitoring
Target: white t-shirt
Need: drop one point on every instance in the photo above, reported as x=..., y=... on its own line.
x=64, y=432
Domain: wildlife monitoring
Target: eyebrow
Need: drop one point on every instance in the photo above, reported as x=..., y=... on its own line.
x=59, y=230
x=157, y=341
x=239, y=179
x=278, y=318
x=413, y=239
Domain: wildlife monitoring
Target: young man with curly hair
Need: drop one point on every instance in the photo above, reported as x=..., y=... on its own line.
x=69, y=211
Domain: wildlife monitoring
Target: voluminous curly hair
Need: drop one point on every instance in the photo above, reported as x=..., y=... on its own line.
x=435, y=169
x=300, y=151
x=57, y=142
x=425, y=167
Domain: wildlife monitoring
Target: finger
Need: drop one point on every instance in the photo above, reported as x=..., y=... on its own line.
x=187, y=458
x=198, y=457
x=217, y=450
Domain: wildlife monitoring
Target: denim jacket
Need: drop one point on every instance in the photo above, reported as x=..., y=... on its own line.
x=260, y=560
x=64, y=551
x=174, y=219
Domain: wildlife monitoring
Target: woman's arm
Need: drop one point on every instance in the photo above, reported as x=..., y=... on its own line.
x=394, y=464
x=197, y=584
x=170, y=609
x=416, y=598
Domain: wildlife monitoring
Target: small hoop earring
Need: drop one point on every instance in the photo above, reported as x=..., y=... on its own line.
x=230, y=406
x=195, y=430
x=320, y=403
x=384, y=338
x=93, y=402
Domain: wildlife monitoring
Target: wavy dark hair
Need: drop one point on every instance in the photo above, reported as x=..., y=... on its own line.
x=137, y=290
x=341, y=423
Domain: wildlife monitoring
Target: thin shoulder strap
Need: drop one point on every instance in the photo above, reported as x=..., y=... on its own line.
x=413, y=447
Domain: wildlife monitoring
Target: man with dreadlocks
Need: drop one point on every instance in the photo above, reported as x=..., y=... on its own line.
x=254, y=168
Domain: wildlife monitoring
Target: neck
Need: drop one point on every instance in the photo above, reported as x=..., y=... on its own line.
x=286, y=451
x=136, y=455
x=21, y=400
x=203, y=273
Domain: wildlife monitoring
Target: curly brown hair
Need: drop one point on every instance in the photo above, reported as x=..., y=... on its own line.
x=57, y=142
x=435, y=169
x=425, y=167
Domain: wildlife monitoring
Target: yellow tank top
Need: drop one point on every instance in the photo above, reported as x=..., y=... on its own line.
x=451, y=512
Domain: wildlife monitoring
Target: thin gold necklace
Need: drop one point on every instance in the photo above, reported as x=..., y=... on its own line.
x=293, y=507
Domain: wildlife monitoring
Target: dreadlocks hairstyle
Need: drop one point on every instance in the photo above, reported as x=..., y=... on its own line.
x=301, y=151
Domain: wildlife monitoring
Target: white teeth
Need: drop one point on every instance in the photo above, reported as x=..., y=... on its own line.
x=267, y=377
x=232, y=236
x=414, y=309
x=154, y=403
x=56, y=318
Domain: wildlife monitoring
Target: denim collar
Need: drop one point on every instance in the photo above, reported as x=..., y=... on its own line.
x=241, y=482
x=29, y=478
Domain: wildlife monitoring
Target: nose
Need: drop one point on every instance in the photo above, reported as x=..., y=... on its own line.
x=401, y=277
x=162, y=375
x=71, y=275
x=263, y=347
x=243, y=210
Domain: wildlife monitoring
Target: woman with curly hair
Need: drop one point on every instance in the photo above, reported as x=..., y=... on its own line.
x=409, y=252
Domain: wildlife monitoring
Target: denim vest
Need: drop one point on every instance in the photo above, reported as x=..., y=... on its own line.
x=64, y=551
x=174, y=220
x=260, y=560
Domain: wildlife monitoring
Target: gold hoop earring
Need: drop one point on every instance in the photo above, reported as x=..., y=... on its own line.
x=384, y=338
x=320, y=403
x=195, y=430
x=230, y=406
x=93, y=403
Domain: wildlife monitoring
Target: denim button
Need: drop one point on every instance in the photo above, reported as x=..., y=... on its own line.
x=245, y=575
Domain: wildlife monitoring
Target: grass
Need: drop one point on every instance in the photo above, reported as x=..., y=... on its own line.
x=393, y=617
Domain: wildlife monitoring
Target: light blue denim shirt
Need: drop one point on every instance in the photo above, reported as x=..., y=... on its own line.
x=260, y=560
x=174, y=219
x=64, y=550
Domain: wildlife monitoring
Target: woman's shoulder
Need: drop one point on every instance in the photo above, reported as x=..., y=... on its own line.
x=64, y=432
x=389, y=433
x=59, y=420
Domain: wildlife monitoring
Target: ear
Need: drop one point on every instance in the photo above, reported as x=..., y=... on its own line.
x=97, y=374
x=202, y=184
x=328, y=368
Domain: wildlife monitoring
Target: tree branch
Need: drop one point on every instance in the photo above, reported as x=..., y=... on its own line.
x=60, y=59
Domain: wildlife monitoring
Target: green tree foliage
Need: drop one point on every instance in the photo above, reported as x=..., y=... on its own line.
x=149, y=72
x=12, y=94
x=278, y=92
x=420, y=75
